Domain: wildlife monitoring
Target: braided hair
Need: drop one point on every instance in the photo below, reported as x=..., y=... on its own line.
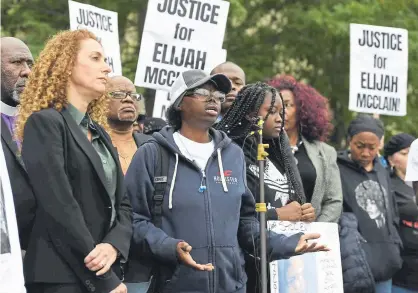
x=240, y=123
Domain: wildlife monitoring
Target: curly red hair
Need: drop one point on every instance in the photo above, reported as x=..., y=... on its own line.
x=312, y=109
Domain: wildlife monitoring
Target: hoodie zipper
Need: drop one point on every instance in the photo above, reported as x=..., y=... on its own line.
x=211, y=229
x=205, y=192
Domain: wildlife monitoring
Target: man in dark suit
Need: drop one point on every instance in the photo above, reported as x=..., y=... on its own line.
x=16, y=63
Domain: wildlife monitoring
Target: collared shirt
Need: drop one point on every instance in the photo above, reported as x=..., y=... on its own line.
x=9, y=115
x=109, y=166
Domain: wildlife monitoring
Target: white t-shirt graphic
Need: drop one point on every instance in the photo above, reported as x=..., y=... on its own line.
x=370, y=198
x=274, y=180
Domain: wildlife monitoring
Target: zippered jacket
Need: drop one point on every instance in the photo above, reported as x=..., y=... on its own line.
x=219, y=222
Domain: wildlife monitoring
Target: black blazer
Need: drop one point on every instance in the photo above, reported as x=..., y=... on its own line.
x=23, y=197
x=74, y=208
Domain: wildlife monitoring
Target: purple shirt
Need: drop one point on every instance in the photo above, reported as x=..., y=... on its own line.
x=10, y=121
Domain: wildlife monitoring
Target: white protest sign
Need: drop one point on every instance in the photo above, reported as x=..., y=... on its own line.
x=196, y=22
x=11, y=268
x=161, y=63
x=378, y=69
x=161, y=103
x=104, y=24
x=318, y=272
x=190, y=37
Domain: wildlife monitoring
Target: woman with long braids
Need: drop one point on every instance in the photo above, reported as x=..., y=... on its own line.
x=284, y=193
x=308, y=124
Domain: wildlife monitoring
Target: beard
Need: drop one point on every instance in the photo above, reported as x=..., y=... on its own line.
x=123, y=117
x=11, y=96
x=15, y=97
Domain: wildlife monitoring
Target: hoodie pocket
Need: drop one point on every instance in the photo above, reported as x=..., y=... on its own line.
x=186, y=279
x=229, y=269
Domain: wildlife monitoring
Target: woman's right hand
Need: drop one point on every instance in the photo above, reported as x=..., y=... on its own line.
x=290, y=212
x=120, y=289
x=183, y=254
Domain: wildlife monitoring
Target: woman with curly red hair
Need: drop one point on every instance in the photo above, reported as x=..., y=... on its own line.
x=308, y=123
x=83, y=223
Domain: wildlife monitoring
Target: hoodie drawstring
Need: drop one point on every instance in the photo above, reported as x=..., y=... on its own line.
x=173, y=182
x=221, y=170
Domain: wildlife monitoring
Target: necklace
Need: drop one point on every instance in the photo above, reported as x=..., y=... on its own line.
x=296, y=147
x=126, y=149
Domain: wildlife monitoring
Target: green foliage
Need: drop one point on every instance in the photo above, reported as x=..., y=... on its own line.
x=310, y=40
x=305, y=38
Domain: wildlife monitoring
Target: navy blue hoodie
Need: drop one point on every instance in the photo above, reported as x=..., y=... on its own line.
x=368, y=195
x=218, y=223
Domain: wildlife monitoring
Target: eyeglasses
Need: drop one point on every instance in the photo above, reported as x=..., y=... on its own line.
x=204, y=95
x=122, y=95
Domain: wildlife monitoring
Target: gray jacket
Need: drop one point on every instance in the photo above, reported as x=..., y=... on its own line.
x=327, y=197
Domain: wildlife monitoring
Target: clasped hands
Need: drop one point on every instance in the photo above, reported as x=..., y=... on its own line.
x=294, y=212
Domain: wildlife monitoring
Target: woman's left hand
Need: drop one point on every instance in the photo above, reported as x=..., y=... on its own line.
x=308, y=213
x=304, y=246
x=101, y=258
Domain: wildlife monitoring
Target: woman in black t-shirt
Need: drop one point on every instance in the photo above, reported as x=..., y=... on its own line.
x=308, y=123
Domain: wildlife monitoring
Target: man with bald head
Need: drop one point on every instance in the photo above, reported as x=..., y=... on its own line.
x=237, y=77
x=124, y=108
x=16, y=62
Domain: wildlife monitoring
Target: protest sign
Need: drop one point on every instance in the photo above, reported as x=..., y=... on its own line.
x=162, y=102
x=195, y=22
x=11, y=268
x=104, y=24
x=190, y=37
x=318, y=272
x=161, y=63
x=378, y=69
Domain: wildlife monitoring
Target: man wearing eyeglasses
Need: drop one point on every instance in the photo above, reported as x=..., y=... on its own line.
x=124, y=109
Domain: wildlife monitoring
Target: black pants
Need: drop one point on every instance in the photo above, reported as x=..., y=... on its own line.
x=55, y=288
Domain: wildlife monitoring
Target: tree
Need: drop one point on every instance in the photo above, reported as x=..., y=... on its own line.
x=308, y=39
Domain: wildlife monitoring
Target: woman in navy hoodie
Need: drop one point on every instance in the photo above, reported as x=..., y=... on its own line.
x=368, y=195
x=208, y=212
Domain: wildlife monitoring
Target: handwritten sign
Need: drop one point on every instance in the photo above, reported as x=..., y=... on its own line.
x=309, y=273
x=190, y=37
x=378, y=69
x=104, y=24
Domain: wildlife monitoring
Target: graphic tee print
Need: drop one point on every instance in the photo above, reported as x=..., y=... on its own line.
x=275, y=181
x=372, y=198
